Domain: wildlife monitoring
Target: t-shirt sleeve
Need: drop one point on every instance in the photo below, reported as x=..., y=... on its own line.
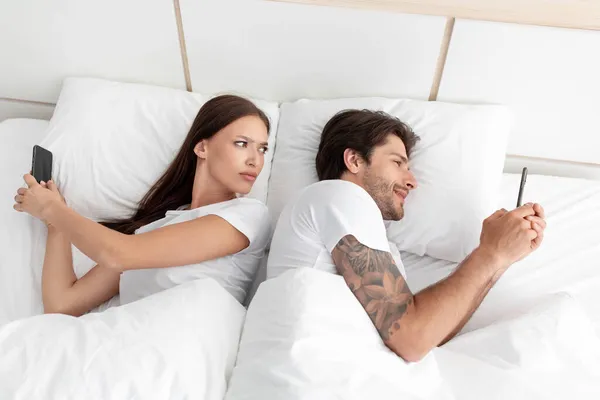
x=250, y=217
x=344, y=208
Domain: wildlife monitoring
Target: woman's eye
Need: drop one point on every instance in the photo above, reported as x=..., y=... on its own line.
x=241, y=143
x=399, y=163
x=264, y=149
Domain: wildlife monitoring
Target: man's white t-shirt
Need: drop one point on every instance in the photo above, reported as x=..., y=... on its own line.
x=311, y=226
x=234, y=272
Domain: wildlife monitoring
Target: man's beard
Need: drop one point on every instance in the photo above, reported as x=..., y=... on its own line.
x=382, y=192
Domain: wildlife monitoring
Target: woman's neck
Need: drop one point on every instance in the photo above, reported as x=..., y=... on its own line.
x=206, y=191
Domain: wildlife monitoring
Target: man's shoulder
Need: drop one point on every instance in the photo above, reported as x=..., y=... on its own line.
x=335, y=190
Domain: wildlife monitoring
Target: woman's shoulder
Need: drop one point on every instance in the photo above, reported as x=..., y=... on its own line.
x=246, y=204
x=251, y=217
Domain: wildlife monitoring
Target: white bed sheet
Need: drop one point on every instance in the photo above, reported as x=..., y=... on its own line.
x=19, y=289
x=568, y=260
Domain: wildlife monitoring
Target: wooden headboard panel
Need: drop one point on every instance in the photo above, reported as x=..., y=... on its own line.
x=461, y=51
x=517, y=52
x=580, y=14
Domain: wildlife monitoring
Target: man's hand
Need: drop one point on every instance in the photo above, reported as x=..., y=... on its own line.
x=510, y=236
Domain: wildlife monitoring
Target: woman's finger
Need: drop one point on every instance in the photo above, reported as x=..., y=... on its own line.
x=21, y=191
x=52, y=186
x=18, y=207
x=30, y=180
x=19, y=199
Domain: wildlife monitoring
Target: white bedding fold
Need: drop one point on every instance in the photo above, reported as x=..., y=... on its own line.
x=179, y=343
x=306, y=337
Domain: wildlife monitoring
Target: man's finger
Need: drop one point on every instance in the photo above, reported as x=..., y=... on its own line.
x=532, y=234
x=536, y=220
x=524, y=211
x=538, y=240
x=18, y=198
x=539, y=211
x=17, y=207
x=30, y=180
x=21, y=191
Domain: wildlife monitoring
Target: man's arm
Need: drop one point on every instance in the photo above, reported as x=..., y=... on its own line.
x=411, y=325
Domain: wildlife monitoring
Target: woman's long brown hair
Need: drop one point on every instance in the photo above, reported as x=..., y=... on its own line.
x=174, y=188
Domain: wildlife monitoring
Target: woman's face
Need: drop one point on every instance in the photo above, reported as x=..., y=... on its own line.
x=236, y=154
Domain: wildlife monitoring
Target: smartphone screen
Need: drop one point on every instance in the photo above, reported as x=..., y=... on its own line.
x=522, y=186
x=41, y=164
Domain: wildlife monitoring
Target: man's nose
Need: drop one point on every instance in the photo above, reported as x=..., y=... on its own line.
x=411, y=182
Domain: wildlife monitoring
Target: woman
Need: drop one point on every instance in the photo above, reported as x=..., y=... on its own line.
x=189, y=225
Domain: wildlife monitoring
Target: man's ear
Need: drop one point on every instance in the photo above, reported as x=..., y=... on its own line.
x=200, y=149
x=353, y=160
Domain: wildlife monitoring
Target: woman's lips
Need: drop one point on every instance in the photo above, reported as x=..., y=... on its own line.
x=248, y=177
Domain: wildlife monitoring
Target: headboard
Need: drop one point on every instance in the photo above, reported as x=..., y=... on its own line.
x=470, y=51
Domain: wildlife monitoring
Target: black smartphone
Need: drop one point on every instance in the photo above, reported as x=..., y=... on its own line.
x=41, y=164
x=522, y=187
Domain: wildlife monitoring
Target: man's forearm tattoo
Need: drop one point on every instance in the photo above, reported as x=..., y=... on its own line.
x=373, y=277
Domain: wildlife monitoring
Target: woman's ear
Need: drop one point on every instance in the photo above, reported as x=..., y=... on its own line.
x=200, y=149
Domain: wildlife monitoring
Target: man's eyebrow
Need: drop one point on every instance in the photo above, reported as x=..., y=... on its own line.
x=403, y=158
x=252, y=140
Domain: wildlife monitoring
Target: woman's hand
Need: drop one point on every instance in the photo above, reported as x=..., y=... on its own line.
x=37, y=198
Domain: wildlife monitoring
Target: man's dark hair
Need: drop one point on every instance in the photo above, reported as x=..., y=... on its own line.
x=362, y=131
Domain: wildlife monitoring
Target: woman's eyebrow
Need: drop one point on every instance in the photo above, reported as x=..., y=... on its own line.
x=251, y=140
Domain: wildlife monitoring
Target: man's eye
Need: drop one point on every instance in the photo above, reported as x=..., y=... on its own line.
x=241, y=143
x=399, y=163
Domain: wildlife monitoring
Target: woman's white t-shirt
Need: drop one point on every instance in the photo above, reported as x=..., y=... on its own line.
x=233, y=272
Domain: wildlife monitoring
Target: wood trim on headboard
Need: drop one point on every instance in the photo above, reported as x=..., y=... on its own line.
x=182, y=47
x=579, y=14
x=441, y=62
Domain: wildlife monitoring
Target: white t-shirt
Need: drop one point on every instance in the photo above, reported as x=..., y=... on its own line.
x=311, y=226
x=234, y=272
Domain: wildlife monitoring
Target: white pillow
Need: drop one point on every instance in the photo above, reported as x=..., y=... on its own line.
x=179, y=343
x=458, y=165
x=111, y=141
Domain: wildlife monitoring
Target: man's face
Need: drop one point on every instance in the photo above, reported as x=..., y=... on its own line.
x=388, y=179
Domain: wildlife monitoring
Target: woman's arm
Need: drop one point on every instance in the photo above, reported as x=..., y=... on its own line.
x=190, y=242
x=61, y=291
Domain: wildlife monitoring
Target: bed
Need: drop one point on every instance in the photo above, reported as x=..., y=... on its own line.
x=541, y=321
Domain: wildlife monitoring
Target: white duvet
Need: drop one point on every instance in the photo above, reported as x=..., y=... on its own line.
x=306, y=337
x=177, y=344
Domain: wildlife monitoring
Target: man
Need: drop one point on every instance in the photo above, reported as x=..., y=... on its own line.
x=337, y=225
